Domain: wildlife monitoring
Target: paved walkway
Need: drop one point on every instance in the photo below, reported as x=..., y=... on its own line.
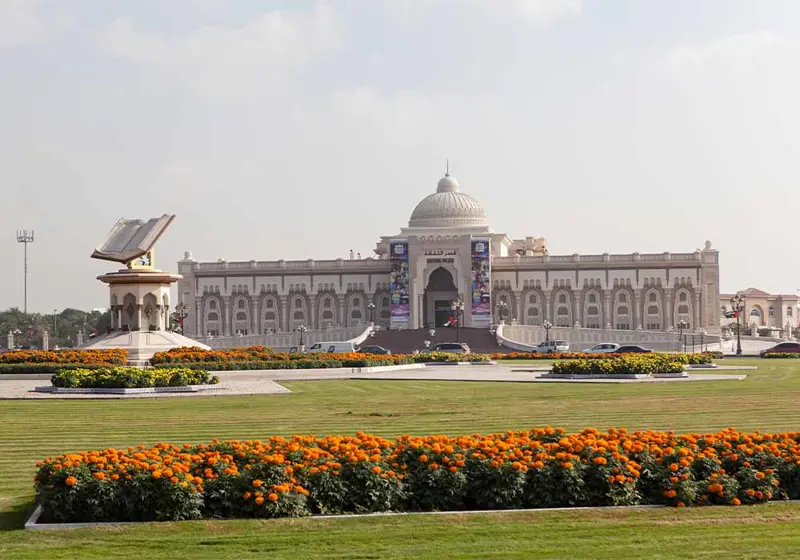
x=267, y=382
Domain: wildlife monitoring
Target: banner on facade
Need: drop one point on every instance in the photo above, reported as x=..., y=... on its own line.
x=481, y=278
x=399, y=282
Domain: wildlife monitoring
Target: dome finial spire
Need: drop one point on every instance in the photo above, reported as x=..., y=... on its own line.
x=447, y=168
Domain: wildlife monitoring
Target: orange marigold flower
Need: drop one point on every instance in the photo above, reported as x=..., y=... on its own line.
x=156, y=474
x=99, y=476
x=71, y=481
x=257, y=483
x=273, y=497
x=247, y=495
x=736, y=502
x=377, y=470
x=423, y=458
x=260, y=500
x=173, y=479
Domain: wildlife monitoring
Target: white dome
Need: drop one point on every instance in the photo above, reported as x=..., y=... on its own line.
x=448, y=207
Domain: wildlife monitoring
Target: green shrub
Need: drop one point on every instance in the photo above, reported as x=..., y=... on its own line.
x=631, y=364
x=781, y=355
x=130, y=377
x=44, y=367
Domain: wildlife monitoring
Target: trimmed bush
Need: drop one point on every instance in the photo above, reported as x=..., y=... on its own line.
x=114, y=356
x=129, y=378
x=44, y=367
x=781, y=355
x=301, y=475
x=631, y=364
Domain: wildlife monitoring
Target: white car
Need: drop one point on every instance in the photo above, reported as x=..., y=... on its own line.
x=604, y=348
x=551, y=346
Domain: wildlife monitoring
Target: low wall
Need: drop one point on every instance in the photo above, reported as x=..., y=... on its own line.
x=525, y=337
x=286, y=340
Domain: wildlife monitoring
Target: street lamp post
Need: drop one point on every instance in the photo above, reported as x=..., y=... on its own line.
x=737, y=305
x=547, y=326
x=502, y=309
x=55, y=327
x=302, y=330
x=371, y=308
x=682, y=324
x=458, y=307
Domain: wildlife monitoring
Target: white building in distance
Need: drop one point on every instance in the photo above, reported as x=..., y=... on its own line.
x=449, y=253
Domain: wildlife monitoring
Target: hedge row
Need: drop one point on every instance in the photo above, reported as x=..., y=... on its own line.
x=781, y=355
x=338, y=474
x=131, y=377
x=631, y=364
x=113, y=356
x=701, y=358
x=44, y=367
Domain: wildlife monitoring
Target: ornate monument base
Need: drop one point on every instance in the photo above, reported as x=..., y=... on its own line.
x=141, y=345
x=140, y=294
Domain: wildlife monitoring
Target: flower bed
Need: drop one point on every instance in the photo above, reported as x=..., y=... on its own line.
x=336, y=474
x=702, y=358
x=259, y=357
x=130, y=377
x=631, y=364
x=75, y=357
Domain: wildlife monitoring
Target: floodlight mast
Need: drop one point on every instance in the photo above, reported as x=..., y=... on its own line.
x=25, y=237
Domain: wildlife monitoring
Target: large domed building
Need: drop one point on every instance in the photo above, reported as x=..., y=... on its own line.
x=449, y=254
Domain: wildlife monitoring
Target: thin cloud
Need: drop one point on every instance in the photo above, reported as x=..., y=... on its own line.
x=251, y=59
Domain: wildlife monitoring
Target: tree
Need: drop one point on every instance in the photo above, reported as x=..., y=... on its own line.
x=63, y=327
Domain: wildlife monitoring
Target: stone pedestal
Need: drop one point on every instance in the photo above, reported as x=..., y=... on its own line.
x=45, y=340
x=141, y=298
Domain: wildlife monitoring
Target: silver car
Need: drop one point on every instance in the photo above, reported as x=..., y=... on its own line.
x=603, y=348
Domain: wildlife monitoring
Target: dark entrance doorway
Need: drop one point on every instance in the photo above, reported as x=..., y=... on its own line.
x=439, y=294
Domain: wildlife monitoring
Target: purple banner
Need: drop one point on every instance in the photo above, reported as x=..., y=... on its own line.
x=398, y=282
x=481, y=278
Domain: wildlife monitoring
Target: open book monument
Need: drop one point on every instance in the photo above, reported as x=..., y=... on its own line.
x=140, y=294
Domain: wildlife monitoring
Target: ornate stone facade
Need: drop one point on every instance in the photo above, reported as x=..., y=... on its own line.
x=439, y=265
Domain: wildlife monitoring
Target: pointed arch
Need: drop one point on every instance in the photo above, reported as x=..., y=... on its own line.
x=623, y=309
x=592, y=309
x=562, y=308
x=270, y=313
x=533, y=307
x=653, y=311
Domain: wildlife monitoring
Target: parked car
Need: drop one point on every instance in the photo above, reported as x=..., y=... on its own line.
x=603, y=348
x=551, y=346
x=374, y=350
x=632, y=349
x=451, y=347
x=782, y=348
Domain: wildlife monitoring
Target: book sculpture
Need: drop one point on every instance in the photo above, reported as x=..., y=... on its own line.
x=140, y=303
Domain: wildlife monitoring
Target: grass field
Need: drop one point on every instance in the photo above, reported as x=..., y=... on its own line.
x=767, y=400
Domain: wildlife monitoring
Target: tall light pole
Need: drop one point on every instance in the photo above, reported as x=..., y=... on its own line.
x=737, y=305
x=502, y=309
x=55, y=326
x=547, y=326
x=302, y=330
x=458, y=307
x=25, y=237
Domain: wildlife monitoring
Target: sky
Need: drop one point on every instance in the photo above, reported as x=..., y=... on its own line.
x=302, y=129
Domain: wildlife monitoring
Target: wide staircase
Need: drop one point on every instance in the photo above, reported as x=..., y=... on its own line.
x=406, y=341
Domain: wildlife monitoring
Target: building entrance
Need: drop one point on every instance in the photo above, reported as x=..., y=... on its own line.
x=439, y=294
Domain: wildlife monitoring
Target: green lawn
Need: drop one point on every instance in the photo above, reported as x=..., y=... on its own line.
x=767, y=400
